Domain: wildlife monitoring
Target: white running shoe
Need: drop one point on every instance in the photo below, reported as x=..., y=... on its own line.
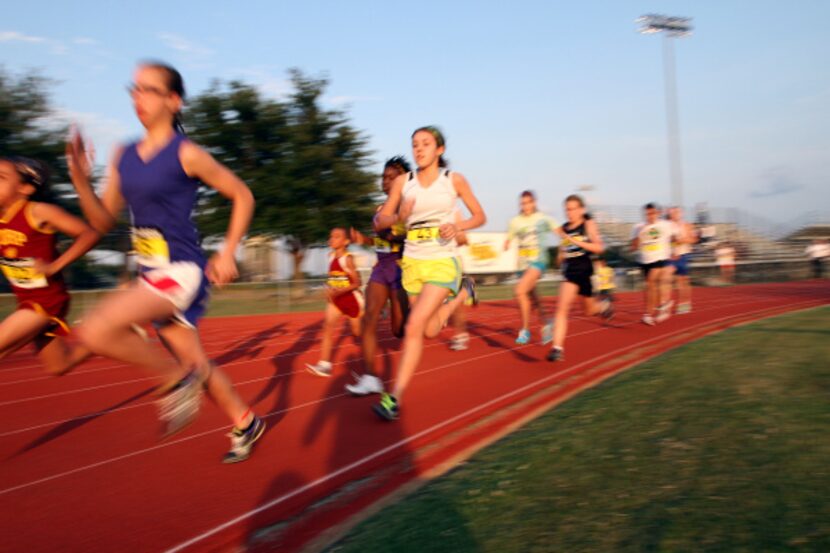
x=684, y=308
x=321, y=368
x=180, y=406
x=460, y=341
x=649, y=320
x=664, y=311
x=366, y=384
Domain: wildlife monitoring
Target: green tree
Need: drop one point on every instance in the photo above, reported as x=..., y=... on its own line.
x=306, y=165
x=27, y=127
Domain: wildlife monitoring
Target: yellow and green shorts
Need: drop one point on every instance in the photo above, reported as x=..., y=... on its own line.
x=444, y=272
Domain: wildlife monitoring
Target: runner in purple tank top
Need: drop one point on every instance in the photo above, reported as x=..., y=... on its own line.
x=384, y=283
x=157, y=179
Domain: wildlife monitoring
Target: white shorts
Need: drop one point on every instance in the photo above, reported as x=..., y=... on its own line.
x=183, y=284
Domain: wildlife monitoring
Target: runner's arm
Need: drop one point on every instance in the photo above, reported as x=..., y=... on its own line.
x=477, y=216
x=388, y=213
x=102, y=213
x=199, y=164
x=595, y=243
x=53, y=218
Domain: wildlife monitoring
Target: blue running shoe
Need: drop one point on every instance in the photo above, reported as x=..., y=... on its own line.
x=469, y=284
x=523, y=337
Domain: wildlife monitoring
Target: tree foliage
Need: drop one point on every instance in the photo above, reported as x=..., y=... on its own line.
x=306, y=165
x=28, y=127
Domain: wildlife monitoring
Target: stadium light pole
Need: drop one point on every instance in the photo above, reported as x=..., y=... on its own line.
x=671, y=27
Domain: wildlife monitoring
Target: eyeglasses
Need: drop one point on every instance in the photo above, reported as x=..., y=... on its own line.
x=134, y=89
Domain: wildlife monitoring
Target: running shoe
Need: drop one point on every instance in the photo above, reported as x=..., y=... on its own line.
x=684, y=308
x=366, y=384
x=180, y=406
x=523, y=337
x=321, y=368
x=649, y=320
x=387, y=409
x=547, y=333
x=664, y=311
x=460, y=342
x=242, y=441
x=556, y=354
x=469, y=284
x=607, y=310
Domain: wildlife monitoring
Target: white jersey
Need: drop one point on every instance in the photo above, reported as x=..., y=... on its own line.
x=654, y=241
x=435, y=205
x=681, y=232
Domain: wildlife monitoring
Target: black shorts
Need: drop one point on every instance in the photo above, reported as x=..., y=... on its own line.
x=647, y=267
x=605, y=295
x=579, y=270
x=583, y=280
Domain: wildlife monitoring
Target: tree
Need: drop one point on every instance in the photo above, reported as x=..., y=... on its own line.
x=26, y=127
x=307, y=166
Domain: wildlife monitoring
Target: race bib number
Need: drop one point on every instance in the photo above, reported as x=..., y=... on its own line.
x=385, y=246
x=21, y=274
x=150, y=247
x=422, y=235
x=529, y=253
x=338, y=282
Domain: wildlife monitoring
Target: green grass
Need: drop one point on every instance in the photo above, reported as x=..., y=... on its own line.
x=254, y=299
x=720, y=445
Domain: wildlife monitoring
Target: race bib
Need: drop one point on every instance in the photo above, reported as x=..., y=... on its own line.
x=651, y=247
x=338, y=282
x=150, y=247
x=385, y=246
x=422, y=235
x=529, y=253
x=21, y=274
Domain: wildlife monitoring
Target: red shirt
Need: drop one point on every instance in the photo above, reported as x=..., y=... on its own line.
x=21, y=242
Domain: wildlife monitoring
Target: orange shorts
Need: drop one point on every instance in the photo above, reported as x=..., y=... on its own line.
x=55, y=308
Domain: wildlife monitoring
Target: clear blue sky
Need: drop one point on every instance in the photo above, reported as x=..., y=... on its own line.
x=531, y=94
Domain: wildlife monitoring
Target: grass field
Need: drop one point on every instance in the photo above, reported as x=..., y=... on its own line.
x=720, y=445
x=255, y=299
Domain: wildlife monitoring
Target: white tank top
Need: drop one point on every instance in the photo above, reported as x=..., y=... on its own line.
x=678, y=248
x=434, y=205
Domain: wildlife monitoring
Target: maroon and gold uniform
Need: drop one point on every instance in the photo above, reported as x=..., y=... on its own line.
x=21, y=243
x=351, y=303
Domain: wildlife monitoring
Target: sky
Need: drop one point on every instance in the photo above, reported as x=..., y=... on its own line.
x=545, y=95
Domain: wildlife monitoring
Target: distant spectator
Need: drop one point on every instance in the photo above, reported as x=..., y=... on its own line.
x=818, y=252
x=725, y=256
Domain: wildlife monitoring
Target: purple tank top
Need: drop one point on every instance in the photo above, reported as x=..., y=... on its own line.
x=161, y=198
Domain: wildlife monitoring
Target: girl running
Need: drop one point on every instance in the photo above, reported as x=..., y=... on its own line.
x=384, y=284
x=344, y=298
x=580, y=239
x=684, y=237
x=157, y=179
x=32, y=265
x=531, y=227
x=431, y=274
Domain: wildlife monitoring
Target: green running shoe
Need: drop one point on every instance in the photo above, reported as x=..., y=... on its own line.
x=387, y=409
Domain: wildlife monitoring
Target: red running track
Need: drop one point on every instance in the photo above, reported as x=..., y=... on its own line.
x=83, y=470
